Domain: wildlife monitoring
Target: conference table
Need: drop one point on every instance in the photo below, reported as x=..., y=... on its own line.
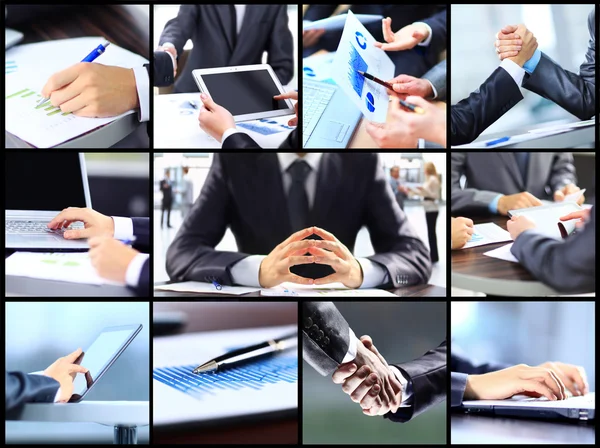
x=122, y=25
x=474, y=271
x=480, y=430
x=408, y=291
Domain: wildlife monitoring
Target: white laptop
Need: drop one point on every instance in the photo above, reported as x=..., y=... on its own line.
x=38, y=185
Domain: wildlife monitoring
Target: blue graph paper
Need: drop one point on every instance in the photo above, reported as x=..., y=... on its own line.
x=356, y=63
x=264, y=130
x=255, y=375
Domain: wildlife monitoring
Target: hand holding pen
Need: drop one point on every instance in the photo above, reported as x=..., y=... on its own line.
x=409, y=106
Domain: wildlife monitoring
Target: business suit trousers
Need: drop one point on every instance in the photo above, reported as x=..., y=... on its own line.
x=431, y=218
x=166, y=206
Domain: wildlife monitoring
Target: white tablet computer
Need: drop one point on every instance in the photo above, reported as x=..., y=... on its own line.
x=246, y=90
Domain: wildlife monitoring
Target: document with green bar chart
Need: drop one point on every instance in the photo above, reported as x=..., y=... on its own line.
x=28, y=68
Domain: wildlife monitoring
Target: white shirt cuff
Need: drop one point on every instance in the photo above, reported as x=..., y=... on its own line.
x=427, y=41
x=123, y=228
x=227, y=133
x=406, y=391
x=41, y=372
x=142, y=84
x=352, y=347
x=515, y=71
x=245, y=272
x=134, y=270
x=373, y=274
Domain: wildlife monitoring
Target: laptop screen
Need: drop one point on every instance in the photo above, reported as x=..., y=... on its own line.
x=49, y=180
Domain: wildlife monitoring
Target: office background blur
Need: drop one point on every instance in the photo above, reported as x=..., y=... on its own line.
x=38, y=333
x=527, y=332
x=561, y=32
x=119, y=183
x=164, y=13
x=401, y=332
x=411, y=175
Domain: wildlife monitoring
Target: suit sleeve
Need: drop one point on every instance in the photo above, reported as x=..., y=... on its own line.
x=563, y=171
x=143, y=287
x=325, y=336
x=461, y=367
x=568, y=266
x=397, y=247
x=141, y=231
x=467, y=200
x=192, y=254
x=437, y=77
x=428, y=377
x=22, y=388
x=280, y=46
x=437, y=22
x=575, y=93
x=181, y=28
x=163, y=69
x=472, y=115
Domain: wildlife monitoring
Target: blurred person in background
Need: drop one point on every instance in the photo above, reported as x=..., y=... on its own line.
x=166, y=188
x=400, y=191
x=430, y=192
x=187, y=192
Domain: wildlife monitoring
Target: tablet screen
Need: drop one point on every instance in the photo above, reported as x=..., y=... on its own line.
x=100, y=355
x=244, y=92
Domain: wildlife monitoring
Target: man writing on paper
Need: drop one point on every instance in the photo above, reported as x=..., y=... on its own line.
x=569, y=265
x=398, y=392
x=496, y=182
x=273, y=202
x=112, y=259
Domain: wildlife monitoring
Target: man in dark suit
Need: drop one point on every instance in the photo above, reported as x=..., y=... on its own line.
x=330, y=346
x=574, y=92
x=264, y=198
x=166, y=189
x=413, y=60
x=569, y=265
x=112, y=259
x=55, y=384
x=497, y=182
x=228, y=35
x=471, y=380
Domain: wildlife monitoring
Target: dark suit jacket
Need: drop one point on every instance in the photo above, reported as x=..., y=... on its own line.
x=22, y=388
x=489, y=174
x=264, y=28
x=414, y=62
x=461, y=366
x=574, y=92
x=325, y=342
x=245, y=192
x=163, y=69
x=167, y=191
x=239, y=140
x=568, y=266
x=472, y=115
x=141, y=231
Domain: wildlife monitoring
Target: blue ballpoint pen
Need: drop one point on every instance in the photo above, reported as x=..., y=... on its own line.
x=89, y=58
x=129, y=241
x=217, y=285
x=495, y=142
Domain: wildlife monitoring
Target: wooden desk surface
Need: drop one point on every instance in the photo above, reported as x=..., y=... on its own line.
x=409, y=291
x=471, y=269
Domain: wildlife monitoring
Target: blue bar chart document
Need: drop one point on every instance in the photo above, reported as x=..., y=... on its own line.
x=357, y=51
x=267, y=384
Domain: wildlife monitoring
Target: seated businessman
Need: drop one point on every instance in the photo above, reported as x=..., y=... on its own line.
x=568, y=265
x=273, y=202
x=229, y=35
x=496, y=182
x=398, y=392
x=574, y=92
x=53, y=385
x=112, y=259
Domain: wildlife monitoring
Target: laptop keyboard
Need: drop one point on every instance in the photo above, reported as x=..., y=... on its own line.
x=35, y=227
x=315, y=98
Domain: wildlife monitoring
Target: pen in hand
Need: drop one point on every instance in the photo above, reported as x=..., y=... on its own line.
x=412, y=107
x=100, y=49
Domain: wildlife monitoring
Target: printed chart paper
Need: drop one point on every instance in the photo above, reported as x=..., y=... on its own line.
x=357, y=51
x=488, y=233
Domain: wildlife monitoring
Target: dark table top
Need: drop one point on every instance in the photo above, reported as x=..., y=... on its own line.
x=478, y=429
x=471, y=269
x=409, y=291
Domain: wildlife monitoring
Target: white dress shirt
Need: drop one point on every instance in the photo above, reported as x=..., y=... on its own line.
x=124, y=231
x=245, y=272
